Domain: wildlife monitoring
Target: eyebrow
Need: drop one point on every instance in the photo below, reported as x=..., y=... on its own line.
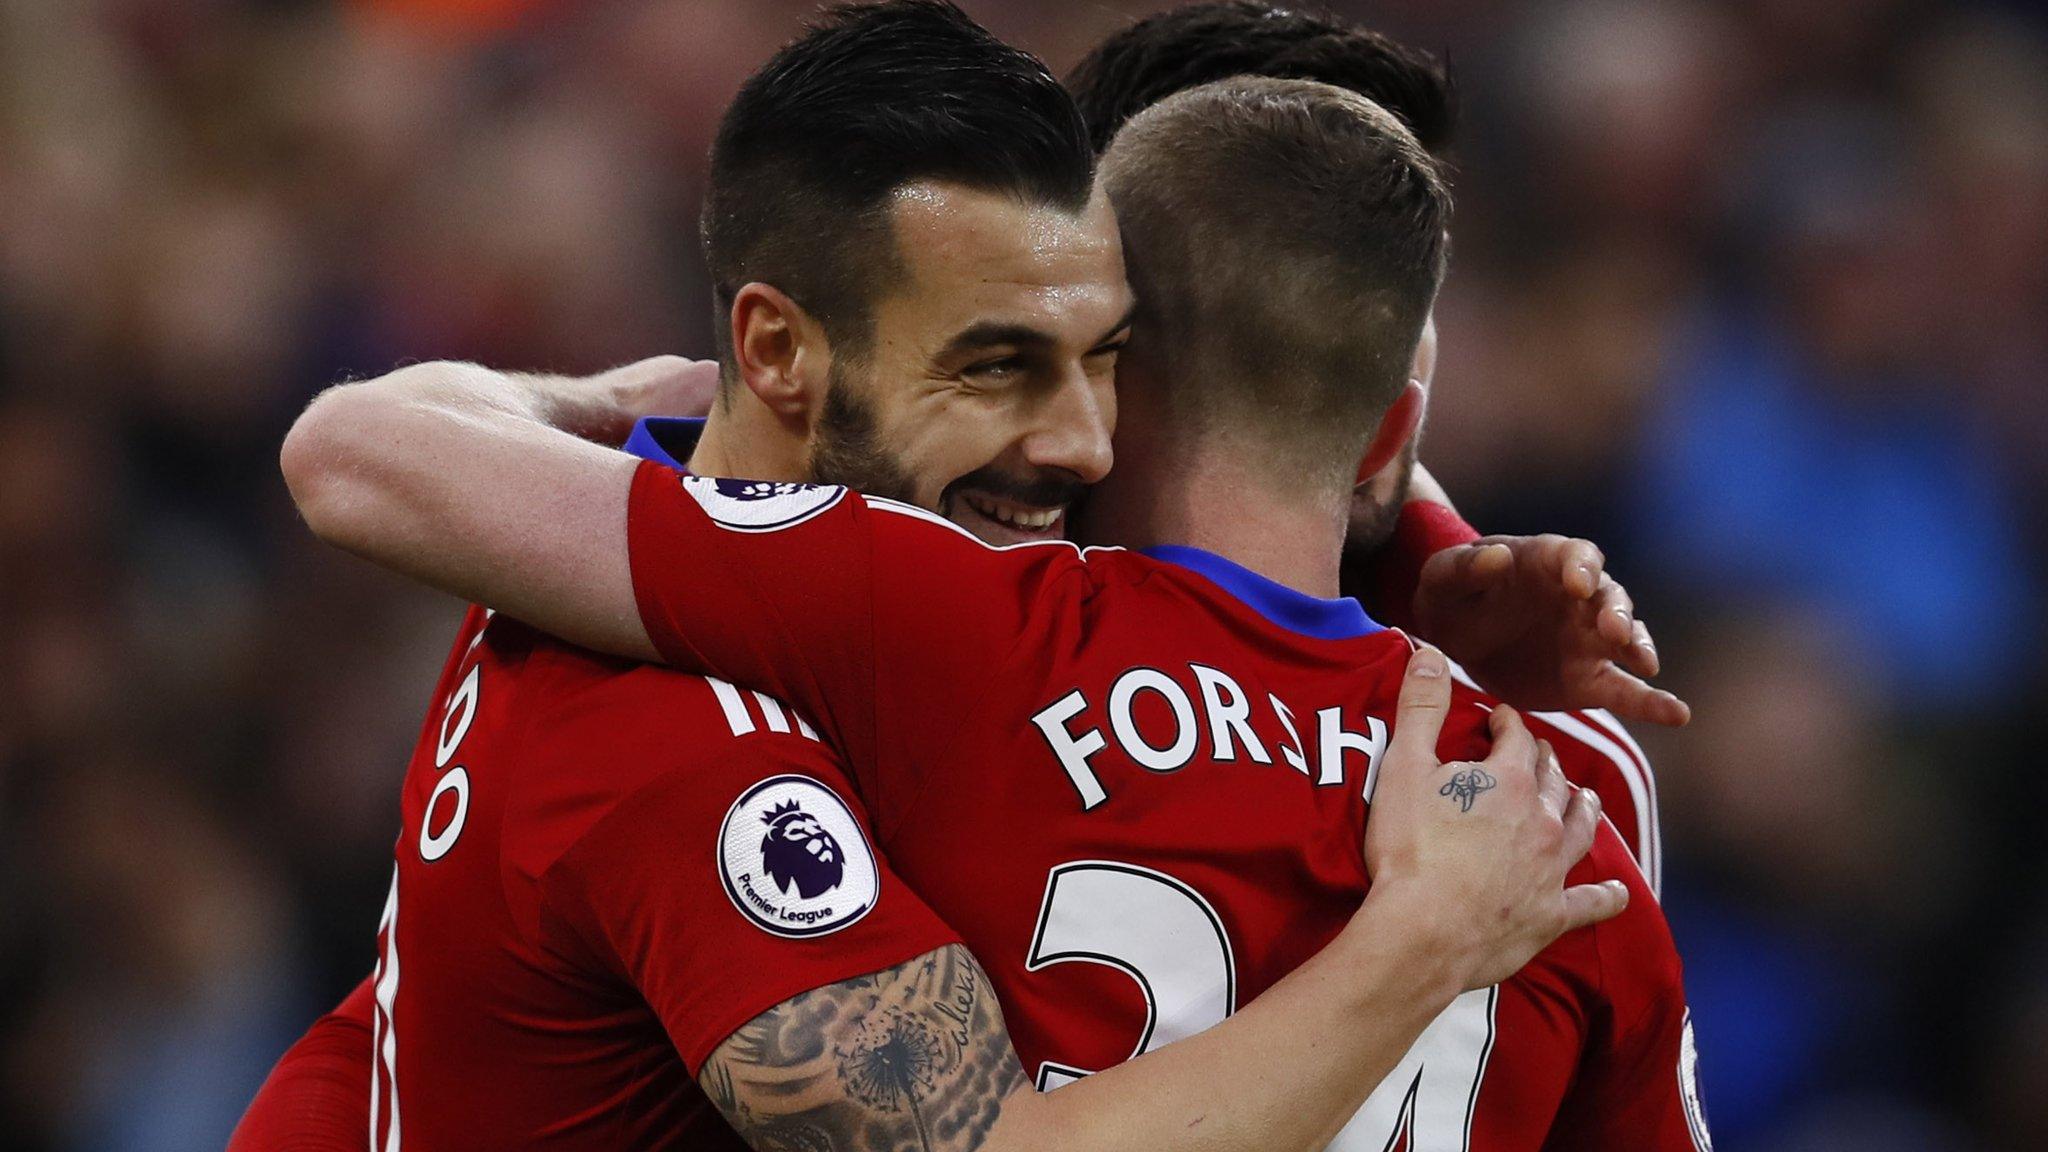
x=993, y=333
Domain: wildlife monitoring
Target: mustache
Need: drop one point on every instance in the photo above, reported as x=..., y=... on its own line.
x=1044, y=490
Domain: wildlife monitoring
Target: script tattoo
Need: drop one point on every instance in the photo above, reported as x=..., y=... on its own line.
x=1465, y=787
x=911, y=1059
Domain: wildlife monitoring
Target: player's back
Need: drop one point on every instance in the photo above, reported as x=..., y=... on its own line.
x=1156, y=810
x=549, y=972
x=1136, y=784
x=490, y=1029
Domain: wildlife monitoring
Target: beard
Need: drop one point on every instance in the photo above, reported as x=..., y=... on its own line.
x=1375, y=509
x=848, y=449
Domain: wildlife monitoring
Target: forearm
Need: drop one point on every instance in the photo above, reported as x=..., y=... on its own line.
x=1287, y=1071
x=918, y=1055
x=480, y=484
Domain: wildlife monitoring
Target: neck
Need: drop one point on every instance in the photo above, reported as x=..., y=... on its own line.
x=1215, y=499
x=742, y=438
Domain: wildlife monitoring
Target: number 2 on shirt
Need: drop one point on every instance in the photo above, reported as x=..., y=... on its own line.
x=1165, y=936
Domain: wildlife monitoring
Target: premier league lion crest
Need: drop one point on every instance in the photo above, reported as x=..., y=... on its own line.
x=760, y=505
x=811, y=872
x=797, y=851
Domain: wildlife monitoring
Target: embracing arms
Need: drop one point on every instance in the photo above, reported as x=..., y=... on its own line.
x=499, y=488
x=917, y=1056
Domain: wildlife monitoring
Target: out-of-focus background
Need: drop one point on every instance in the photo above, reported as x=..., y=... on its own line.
x=1755, y=293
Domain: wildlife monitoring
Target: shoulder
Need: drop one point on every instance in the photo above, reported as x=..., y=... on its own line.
x=1596, y=751
x=600, y=731
x=1638, y=959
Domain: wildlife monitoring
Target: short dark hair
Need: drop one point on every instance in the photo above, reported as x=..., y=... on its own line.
x=1202, y=43
x=872, y=97
x=1286, y=240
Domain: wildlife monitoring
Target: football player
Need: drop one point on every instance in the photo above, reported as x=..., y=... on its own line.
x=544, y=976
x=1288, y=240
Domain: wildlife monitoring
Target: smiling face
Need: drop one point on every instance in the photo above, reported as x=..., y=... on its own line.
x=986, y=393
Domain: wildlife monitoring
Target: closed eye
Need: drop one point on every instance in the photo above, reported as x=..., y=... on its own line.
x=1000, y=366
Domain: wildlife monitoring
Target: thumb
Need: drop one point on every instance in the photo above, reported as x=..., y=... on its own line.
x=1467, y=570
x=1425, y=701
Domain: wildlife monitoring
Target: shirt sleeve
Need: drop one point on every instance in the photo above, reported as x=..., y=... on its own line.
x=317, y=1099
x=861, y=612
x=1596, y=752
x=1637, y=1089
x=726, y=887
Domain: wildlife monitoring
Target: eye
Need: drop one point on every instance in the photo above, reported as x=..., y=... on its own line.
x=1000, y=368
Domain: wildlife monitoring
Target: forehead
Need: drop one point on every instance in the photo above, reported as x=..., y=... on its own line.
x=974, y=255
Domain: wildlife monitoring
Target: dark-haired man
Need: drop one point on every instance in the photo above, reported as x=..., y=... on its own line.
x=540, y=977
x=1186, y=734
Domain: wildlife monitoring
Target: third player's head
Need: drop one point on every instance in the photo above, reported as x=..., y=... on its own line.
x=919, y=287
x=1286, y=240
x=1197, y=44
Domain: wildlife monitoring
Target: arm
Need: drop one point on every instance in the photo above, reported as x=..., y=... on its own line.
x=482, y=484
x=917, y=1055
x=1637, y=1084
x=317, y=1099
x=1537, y=620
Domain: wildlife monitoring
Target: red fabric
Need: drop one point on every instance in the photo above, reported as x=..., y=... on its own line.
x=317, y=1099
x=560, y=953
x=1103, y=758
x=1422, y=530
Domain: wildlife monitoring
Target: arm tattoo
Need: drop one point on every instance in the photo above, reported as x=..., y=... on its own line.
x=1465, y=787
x=911, y=1059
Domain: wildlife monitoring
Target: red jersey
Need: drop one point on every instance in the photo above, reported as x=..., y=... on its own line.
x=1137, y=786
x=560, y=950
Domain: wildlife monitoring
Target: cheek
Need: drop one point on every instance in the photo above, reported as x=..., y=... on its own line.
x=955, y=435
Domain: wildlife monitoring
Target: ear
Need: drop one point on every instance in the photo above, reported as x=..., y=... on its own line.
x=780, y=352
x=1403, y=417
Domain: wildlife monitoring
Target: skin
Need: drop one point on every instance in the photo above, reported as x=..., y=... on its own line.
x=389, y=469
x=991, y=379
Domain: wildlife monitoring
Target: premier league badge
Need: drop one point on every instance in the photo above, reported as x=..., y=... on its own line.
x=760, y=505
x=794, y=860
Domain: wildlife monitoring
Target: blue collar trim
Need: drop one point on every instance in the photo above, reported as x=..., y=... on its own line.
x=665, y=440
x=1341, y=619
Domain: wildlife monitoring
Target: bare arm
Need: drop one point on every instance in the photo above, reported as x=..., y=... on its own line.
x=917, y=1056
x=493, y=487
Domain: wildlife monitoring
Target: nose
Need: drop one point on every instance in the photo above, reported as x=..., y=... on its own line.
x=1074, y=427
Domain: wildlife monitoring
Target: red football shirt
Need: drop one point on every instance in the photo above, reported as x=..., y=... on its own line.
x=1138, y=786
x=563, y=946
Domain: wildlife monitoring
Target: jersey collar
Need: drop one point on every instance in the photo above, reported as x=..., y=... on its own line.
x=669, y=440
x=1340, y=619
x=665, y=440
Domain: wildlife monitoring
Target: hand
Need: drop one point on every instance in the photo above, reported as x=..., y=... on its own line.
x=1473, y=857
x=661, y=386
x=1537, y=620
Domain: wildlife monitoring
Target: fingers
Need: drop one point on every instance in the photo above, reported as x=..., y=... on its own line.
x=1468, y=570
x=1425, y=700
x=1583, y=566
x=1614, y=613
x=1551, y=787
x=1586, y=904
x=1581, y=823
x=1625, y=695
x=1640, y=656
x=1513, y=747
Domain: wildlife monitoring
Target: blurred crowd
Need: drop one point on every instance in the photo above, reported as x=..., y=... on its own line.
x=1754, y=293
